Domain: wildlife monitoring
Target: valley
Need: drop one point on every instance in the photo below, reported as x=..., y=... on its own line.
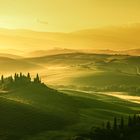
x=86, y=86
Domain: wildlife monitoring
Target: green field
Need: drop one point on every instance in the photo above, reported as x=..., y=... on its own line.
x=90, y=89
x=29, y=114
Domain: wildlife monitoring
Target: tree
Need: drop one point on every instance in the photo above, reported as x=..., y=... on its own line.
x=11, y=79
x=103, y=125
x=37, y=79
x=29, y=77
x=15, y=77
x=115, y=123
x=2, y=79
x=138, y=119
x=134, y=119
x=129, y=121
x=122, y=123
x=108, y=125
x=21, y=75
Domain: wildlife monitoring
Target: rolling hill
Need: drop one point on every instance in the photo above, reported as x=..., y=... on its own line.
x=33, y=111
x=30, y=108
x=16, y=65
x=8, y=55
x=79, y=69
x=36, y=112
x=90, y=70
x=108, y=38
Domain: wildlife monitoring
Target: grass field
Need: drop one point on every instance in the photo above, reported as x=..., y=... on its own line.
x=38, y=113
x=33, y=115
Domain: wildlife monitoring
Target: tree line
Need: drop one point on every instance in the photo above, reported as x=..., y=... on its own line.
x=19, y=79
x=118, y=130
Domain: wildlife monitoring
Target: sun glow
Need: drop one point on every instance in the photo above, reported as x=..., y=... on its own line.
x=65, y=15
x=54, y=24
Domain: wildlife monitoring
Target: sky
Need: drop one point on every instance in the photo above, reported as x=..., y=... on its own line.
x=70, y=24
x=67, y=15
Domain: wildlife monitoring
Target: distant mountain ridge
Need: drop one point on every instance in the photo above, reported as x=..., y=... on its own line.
x=13, y=56
x=41, y=53
x=108, y=38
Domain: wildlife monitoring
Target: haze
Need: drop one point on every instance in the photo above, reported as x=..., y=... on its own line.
x=82, y=24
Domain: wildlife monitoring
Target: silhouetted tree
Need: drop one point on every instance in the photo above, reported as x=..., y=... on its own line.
x=122, y=123
x=123, y=132
x=15, y=77
x=108, y=125
x=115, y=123
x=11, y=79
x=21, y=75
x=2, y=79
x=129, y=121
x=103, y=125
x=138, y=119
x=134, y=119
x=19, y=80
x=37, y=79
x=29, y=77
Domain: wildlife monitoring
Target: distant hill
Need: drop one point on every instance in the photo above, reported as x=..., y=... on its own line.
x=108, y=38
x=11, y=65
x=76, y=57
x=134, y=52
x=41, y=53
x=8, y=55
x=91, y=70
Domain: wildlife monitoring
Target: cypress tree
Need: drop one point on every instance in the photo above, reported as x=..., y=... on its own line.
x=103, y=125
x=29, y=77
x=37, y=79
x=122, y=123
x=15, y=77
x=134, y=119
x=129, y=121
x=21, y=75
x=2, y=79
x=138, y=119
x=108, y=125
x=115, y=123
x=11, y=79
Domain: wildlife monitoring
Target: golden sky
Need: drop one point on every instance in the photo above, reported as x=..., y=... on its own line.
x=67, y=15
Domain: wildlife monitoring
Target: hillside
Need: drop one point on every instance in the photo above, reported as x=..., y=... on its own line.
x=8, y=55
x=108, y=38
x=29, y=108
x=103, y=71
x=81, y=70
x=17, y=65
x=33, y=111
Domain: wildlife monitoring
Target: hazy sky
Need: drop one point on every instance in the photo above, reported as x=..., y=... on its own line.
x=67, y=15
